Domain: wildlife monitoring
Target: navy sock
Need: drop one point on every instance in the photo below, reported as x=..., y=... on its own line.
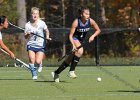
x=74, y=63
x=61, y=67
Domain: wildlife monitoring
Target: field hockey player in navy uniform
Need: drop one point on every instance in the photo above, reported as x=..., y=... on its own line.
x=78, y=31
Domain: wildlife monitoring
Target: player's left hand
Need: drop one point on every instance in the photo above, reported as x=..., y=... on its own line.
x=49, y=38
x=12, y=55
x=91, y=39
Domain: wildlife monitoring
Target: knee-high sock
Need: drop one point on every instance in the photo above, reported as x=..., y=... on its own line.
x=33, y=69
x=61, y=67
x=74, y=63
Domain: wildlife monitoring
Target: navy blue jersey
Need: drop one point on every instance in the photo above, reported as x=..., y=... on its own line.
x=82, y=29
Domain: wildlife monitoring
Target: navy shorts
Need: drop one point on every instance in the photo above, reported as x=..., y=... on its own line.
x=75, y=38
x=35, y=49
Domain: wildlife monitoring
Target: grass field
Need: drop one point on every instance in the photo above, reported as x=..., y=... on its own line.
x=118, y=83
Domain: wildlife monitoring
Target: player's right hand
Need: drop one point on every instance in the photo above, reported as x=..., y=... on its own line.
x=74, y=48
x=27, y=33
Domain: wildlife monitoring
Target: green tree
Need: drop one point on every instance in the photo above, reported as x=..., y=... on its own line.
x=8, y=8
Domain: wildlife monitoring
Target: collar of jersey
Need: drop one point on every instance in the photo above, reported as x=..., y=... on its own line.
x=83, y=25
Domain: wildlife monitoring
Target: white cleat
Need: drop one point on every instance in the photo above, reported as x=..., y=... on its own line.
x=34, y=78
x=39, y=69
x=72, y=74
x=55, y=77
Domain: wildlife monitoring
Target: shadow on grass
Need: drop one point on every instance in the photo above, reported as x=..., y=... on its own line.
x=133, y=91
x=56, y=85
x=14, y=79
x=50, y=81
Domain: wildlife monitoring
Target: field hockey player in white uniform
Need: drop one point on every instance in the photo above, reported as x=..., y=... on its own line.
x=36, y=45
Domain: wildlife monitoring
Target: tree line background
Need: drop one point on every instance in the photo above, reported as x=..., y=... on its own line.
x=61, y=13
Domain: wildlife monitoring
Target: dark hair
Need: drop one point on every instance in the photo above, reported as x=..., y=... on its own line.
x=2, y=19
x=82, y=8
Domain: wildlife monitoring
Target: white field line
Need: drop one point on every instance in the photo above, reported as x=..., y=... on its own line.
x=73, y=97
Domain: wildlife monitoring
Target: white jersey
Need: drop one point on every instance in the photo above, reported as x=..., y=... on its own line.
x=0, y=36
x=35, y=41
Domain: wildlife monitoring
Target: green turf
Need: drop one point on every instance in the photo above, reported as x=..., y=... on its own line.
x=16, y=84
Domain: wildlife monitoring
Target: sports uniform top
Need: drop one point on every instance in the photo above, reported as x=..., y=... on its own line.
x=35, y=41
x=81, y=29
x=0, y=36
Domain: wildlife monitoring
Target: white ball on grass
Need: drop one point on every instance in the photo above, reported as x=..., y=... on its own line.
x=139, y=29
x=99, y=79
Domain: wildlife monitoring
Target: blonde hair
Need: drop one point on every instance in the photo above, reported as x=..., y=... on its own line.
x=34, y=8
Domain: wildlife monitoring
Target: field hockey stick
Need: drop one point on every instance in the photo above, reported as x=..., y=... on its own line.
x=84, y=43
x=40, y=36
x=18, y=60
x=24, y=30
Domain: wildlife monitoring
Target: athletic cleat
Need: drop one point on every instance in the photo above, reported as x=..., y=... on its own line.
x=39, y=69
x=72, y=74
x=55, y=77
x=34, y=78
